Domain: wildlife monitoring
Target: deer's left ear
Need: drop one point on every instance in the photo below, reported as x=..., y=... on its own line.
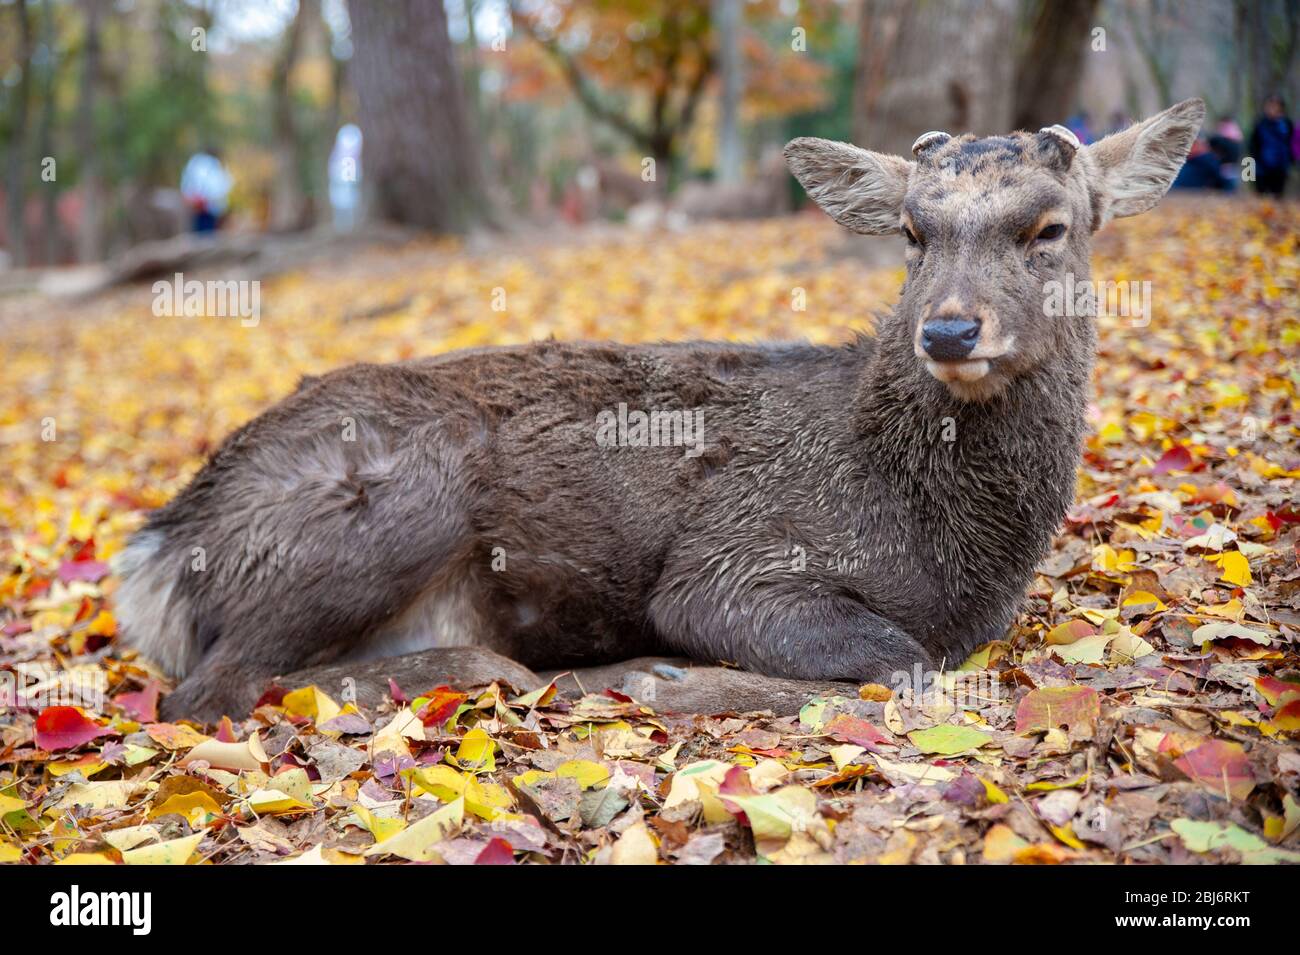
x=859, y=189
x=1133, y=169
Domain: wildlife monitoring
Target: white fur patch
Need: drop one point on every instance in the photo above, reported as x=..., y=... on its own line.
x=153, y=619
x=442, y=616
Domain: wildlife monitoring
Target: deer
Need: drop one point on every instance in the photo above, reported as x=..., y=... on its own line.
x=843, y=513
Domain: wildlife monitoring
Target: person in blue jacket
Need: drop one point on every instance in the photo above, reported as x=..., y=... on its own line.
x=1270, y=145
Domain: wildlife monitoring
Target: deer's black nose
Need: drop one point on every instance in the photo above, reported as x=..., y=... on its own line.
x=950, y=338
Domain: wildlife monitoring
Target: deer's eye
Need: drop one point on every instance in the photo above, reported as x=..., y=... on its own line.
x=911, y=236
x=1054, y=231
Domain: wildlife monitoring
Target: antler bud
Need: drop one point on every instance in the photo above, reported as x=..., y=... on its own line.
x=1060, y=132
x=929, y=140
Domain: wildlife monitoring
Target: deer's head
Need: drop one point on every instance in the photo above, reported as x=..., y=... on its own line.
x=989, y=223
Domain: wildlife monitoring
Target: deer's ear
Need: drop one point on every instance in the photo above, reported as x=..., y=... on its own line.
x=859, y=189
x=1133, y=169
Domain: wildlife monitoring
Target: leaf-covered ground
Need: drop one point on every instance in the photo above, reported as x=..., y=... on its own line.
x=1145, y=708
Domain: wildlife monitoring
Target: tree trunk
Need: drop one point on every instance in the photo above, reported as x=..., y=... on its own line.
x=288, y=195
x=420, y=147
x=16, y=171
x=90, y=235
x=932, y=64
x=45, y=141
x=727, y=25
x=1051, y=64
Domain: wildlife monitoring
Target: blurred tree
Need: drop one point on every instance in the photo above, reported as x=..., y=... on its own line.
x=727, y=16
x=939, y=64
x=289, y=210
x=1050, y=64
x=90, y=233
x=642, y=67
x=1267, y=34
x=16, y=136
x=420, y=146
x=50, y=62
x=668, y=54
x=1152, y=26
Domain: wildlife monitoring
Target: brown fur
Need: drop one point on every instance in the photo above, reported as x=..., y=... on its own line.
x=850, y=512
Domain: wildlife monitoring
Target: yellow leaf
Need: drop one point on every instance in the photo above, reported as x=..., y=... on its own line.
x=845, y=754
x=586, y=772
x=311, y=702
x=635, y=847
x=110, y=794
x=991, y=790
x=85, y=858
x=10, y=804
x=130, y=837
x=1139, y=598
x=1235, y=567
x=174, y=852
x=193, y=806
x=174, y=735
x=1001, y=844
x=1066, y=836
x=266, y=802
x=1088, y=650
x=476, y=753
x=87, y=768
x=418, y=841
x=381, y=827
x=485, y=800
x=1069, y=632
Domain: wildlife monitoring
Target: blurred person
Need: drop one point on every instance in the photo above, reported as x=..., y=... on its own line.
x=345, y=177
x=1119, y=121
x=1226, y=142
x=1081, y=125
x=1201, y=170
x=1271, y=147
x=205, y=187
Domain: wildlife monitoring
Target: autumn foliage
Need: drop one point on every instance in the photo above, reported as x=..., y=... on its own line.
x=1145, y=707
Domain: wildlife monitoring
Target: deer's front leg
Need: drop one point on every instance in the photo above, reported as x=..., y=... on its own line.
x=785, y=630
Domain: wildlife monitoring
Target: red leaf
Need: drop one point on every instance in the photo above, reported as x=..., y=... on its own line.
x=396, y=693
x=1177, y=458
x=142, y=705
x=1220, y=766
x=496, y=852
x=1287, y=718
x=1275, y=691
x=442, y=704
x=274, y=696
x=736, y=783
x=226, y=731
x=1052, y=706
x=849, y=729
x=87, y=570
x=66, y=727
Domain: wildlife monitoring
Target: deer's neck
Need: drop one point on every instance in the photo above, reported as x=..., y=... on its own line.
x=994, y=477
x=901, y=408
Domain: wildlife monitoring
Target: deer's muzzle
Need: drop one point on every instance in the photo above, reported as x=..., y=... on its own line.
x=950, y=338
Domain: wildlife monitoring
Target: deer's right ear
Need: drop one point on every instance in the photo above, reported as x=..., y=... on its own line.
x=861, y=190
x=1135, y=167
